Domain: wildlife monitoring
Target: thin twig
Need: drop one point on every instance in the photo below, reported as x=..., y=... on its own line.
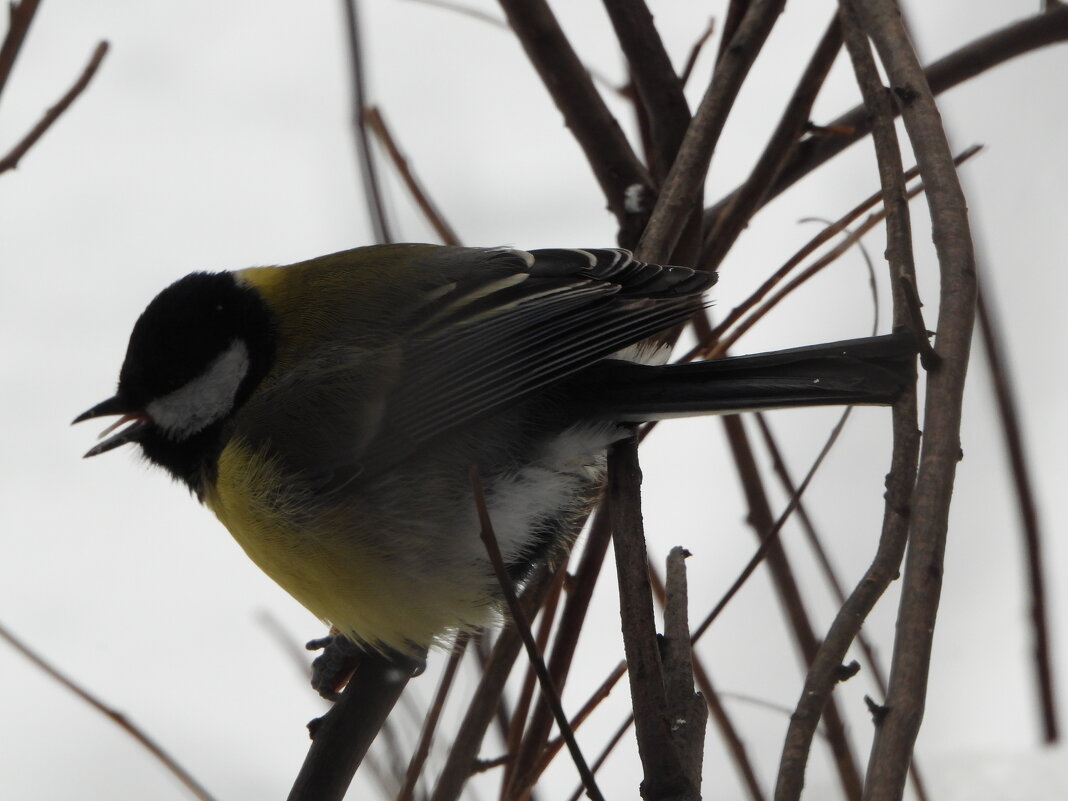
x=613, y=741
x=480, y=709
x=368, y=171
x=724, y=344
x=695, y=51
x=468, y=11
x=519, y=621
x=564, y=645
x=910, y=299
x=426, y=736
x=1027, y=508
x=377, y=123
x=616, y=167
x=770, y=534
x=824, y=236
x=600, y=694
x=520, y=717
x=685, y=181
x=976, y=57
x=721, y=346
x=805, y=251
x=783, y=142
x=114, y=715
x=11, y=160
x=785, y=583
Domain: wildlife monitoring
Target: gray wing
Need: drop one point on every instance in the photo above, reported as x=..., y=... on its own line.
x=492, y=327
x=484, y=347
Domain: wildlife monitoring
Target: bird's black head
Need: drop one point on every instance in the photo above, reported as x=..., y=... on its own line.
x=195, y=355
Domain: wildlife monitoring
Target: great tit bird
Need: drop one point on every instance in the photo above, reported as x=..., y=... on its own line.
x=329, y=412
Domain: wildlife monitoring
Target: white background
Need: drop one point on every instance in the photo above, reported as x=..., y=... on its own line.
x=216, y=135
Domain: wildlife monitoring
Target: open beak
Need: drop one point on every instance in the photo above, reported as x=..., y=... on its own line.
x=115, y=405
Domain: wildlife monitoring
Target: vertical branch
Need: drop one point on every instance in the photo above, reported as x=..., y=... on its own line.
x=687, y=710
x=684, y=182
x=922, y=582
x=368, y=172
x=663, y=775
x=1028, y=510
x=729, y=734
x=888, y=157
x=823, y=674
x=878, y=675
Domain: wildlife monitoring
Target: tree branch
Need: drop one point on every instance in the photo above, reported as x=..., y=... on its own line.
x=372, y=189
x=659, y=87
x=1028, y=511
x=783, y=142
x=618, y=170
x=921, y=587
x=20, y=15
x=11, y=160
x=662, y=768
x=685, y=181
x=1040, y=30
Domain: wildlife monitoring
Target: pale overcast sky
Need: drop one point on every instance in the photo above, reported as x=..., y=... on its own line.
x=216, y=136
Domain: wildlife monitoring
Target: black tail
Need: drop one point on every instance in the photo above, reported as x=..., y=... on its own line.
x=873, y=370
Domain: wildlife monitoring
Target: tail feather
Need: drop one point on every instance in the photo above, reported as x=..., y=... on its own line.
x=873, y=370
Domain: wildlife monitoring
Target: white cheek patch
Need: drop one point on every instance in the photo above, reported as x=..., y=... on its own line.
x=204, y=400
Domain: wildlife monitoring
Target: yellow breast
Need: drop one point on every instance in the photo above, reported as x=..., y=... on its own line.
x=347, y=574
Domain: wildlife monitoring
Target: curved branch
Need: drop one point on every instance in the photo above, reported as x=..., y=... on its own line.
x=1040, y=30
x=922, y=582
